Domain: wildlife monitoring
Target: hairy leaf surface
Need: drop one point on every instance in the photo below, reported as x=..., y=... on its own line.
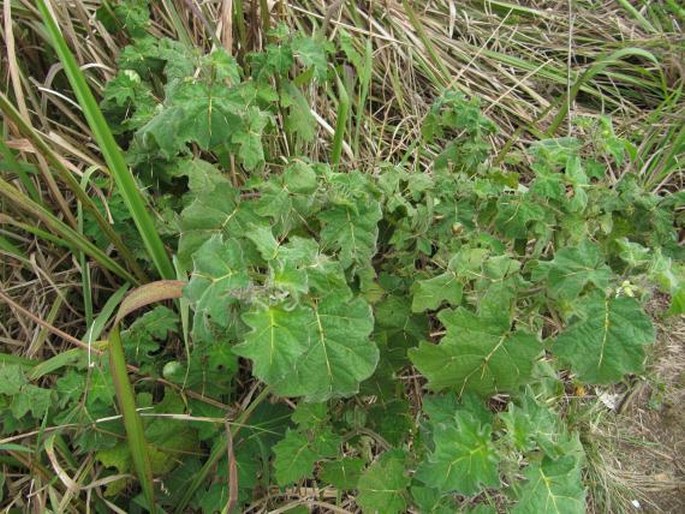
x=352, y=232
x=382, y=487
x=553, y=487
x=431, y=293
x=216, y=210
x=572, y=269
x=219, y=271
x=294, y=458
x=323, y=352
x=464, y=459
x=343, y=473
x=609, y=342
x=479, y=354
x=277, y=341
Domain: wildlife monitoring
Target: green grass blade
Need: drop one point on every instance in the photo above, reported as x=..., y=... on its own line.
x=676, y=9
x=10, y=447
x=110, y=150
x=218, y=451
x=184, y=311
x=86, y=289
x=636, y=14
x=340, y=124
x=177, y=23
x=506, y=7
x=11, y=164
x=96, y=328
x=9, y=358
x=365, y=75
x=11, y=249
x=596, y=68
x=29, y=132
x=670, y=160
x=661, y=151
x=59, y=361
x=444, y=73
x=75, y=241
x=39, y=233
x=135, y=435
x=239, y=23
x=37, y=369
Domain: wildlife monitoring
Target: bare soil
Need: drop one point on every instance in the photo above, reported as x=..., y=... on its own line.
x=647, y=457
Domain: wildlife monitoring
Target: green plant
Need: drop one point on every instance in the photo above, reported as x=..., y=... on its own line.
x=112, y=153
x=321, y=302
x=293, y=274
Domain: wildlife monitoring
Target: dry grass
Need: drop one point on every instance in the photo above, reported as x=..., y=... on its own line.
x=520, y=59
x=638, y=454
